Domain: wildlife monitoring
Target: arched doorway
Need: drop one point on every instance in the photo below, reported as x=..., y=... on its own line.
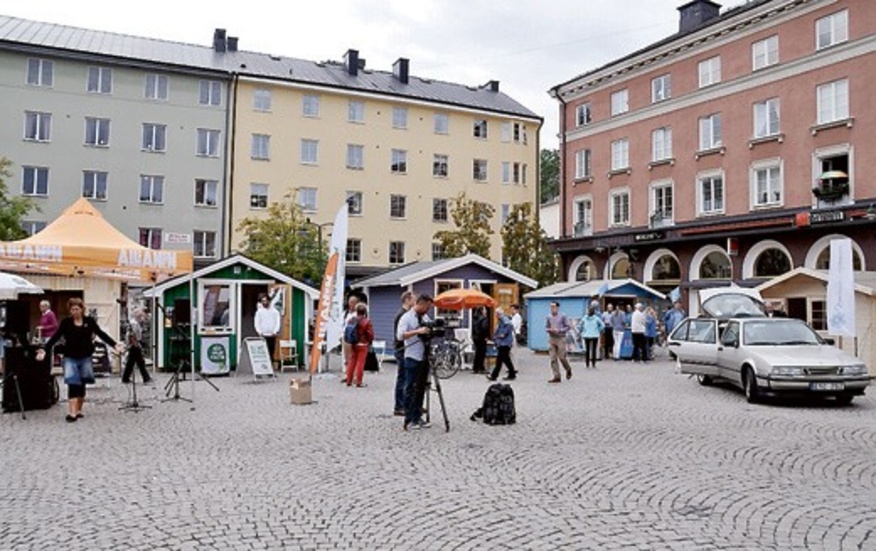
x=767, y=259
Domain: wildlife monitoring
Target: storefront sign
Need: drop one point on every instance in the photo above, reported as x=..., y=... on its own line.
x=827, y=217
x=650, y=236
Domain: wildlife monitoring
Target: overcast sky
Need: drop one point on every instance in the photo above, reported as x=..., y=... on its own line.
x=528, y=45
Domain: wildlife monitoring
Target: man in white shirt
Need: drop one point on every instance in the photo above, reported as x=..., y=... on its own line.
x=517, y=323
x=267, y=323
x=637, y=328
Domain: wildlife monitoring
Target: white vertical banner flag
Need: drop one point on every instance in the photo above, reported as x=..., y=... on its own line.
x=338, y=245
x=841, y=290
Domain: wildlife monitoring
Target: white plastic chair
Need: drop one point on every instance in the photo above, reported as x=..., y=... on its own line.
x=288, y=355
x=379, y=351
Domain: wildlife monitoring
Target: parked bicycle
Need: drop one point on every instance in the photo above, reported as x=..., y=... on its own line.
x=445, y=356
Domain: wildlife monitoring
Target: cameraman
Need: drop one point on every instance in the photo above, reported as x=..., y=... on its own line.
x=414, y=331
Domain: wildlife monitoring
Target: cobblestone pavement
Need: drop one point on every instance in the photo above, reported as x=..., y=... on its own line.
x=627, y=456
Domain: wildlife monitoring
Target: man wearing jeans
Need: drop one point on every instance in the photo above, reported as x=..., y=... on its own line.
x=557, y=326
x=411, y=330
x=407, y=300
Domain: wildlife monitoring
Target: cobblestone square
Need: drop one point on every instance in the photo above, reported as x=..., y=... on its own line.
x=626, y=456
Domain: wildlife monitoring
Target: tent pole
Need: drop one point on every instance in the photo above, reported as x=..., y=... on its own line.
x=194, y=318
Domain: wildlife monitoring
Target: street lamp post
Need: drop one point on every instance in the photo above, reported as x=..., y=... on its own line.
x=319, y=228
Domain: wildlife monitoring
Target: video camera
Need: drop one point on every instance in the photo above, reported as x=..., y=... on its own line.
x=436, y=328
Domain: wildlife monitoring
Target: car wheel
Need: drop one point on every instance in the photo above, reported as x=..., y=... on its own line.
x=844, y=399
x=749, y=383
x=704, y=380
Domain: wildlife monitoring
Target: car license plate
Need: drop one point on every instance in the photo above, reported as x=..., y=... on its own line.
x=827, y=386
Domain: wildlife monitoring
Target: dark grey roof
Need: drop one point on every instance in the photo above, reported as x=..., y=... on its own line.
x=33, y=34
x=395, y=277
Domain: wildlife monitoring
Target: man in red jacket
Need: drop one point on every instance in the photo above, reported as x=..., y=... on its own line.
x=365, y=332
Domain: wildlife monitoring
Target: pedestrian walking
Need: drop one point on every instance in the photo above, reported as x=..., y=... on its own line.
x=590, y=327
x=557, y=325
x=267, y=323
x=503, y=337
x=618, y=326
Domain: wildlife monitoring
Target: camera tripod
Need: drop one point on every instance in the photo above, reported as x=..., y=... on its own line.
x=433, y=383
x=172, y=385
x=133, y=404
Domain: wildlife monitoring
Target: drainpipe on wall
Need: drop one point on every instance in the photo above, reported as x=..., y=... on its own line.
x=231, y=140
x=562, y=172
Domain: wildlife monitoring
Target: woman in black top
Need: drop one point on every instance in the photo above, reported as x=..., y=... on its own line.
x=78, y=332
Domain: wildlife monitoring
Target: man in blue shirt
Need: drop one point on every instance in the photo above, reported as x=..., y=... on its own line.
x=673, y=317
x=503, y=336
x=413, y=332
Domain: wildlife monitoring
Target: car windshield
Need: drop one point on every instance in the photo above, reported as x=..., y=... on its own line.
x=779, y=332
x=733, y=305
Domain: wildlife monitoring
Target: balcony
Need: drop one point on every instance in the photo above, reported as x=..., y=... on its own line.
x=582, y=229
x=660, y=218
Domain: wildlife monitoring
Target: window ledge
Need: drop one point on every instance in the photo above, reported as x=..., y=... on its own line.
x=815, y=129
x=780, y=138
x=766, y=206
x=710, y=214
x=582, y=179
x=619, y=171
x=706, y=152
x=670, y=161
x=197, y=206
x=159, y=151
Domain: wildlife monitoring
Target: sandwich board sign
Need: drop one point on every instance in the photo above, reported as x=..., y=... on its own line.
x=255, y=358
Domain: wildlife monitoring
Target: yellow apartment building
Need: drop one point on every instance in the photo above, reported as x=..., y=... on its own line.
x=396, y=148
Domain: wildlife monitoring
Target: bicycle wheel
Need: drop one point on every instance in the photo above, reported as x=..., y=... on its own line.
x=447, y=362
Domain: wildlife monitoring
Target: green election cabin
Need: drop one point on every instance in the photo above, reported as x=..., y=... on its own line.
x=223, y=311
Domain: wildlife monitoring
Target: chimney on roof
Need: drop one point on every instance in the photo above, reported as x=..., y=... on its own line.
x=492, y=85
x=400, y=69
x=219, y=44
x=694, y=14
x=231, y=43
x=351, y=62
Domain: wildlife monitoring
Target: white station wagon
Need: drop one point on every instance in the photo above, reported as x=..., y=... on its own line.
x=765, y=356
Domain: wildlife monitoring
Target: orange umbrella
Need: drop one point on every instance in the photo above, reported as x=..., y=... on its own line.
x=458, y=299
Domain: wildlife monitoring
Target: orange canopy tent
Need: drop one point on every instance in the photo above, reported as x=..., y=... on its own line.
x=81, y=242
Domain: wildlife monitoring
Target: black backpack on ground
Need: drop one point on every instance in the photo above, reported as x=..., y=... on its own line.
x=498, y=407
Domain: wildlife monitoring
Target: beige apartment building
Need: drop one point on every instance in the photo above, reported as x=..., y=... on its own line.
x=731, y=151
x=394, y=147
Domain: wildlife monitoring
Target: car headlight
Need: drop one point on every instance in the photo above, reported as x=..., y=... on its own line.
x=787, y=370
x=854, y=370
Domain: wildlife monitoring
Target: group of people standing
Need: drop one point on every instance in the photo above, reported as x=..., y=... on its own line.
x=644, y=324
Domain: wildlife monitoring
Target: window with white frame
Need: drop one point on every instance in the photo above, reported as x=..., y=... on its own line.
x=661, y=144
x=439, y=210
x=261, y=147
x=583, y=116
x=97, y=132
x=710, y=132
x=150, y=237
x=400, y=117
x=354, y=203
x=583, y=216
x=506, y=172
x=515, y=173
x=209, y=92
x=355, y=156
x=32, y=227
x=94, y=185
x=356, y=111
x=519, y=132
x=619, y=207
x=766, y=118
x=661, y=88
x=204, y=244
x=206, y=192
x=156, y=87
x=354, y=250
x=620, y=102
x=506, y=132
x=309, y=151
x=35, y=180
x=397, y=206
x=710, y=194
x=710, y=71
x=438, y=251
x=396, y=252
x=661, y=203
x=832, y=29
x=442, y=123
x=833, y=101
x=479, y=170
x=439, y=165
x=582, y=164
x=261, y=99
x=620, y=154
x=479, y=129
x=100, y=80
x=37, y=126
x=154, y=137
x=208, y=142
x=399, y=162
x=765, y=52
x=40, y=72
x=307, y=198
x=258, y=196
x=310, y=105
x=151, y=189
x=766, y=184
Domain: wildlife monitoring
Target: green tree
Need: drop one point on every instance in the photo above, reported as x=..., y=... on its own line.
x=472, y=233
x=285, y=240
x=525, y=246
x=12, y=208
x=549, y=179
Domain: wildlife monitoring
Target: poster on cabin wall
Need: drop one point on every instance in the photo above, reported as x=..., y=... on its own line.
x=214, y=355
